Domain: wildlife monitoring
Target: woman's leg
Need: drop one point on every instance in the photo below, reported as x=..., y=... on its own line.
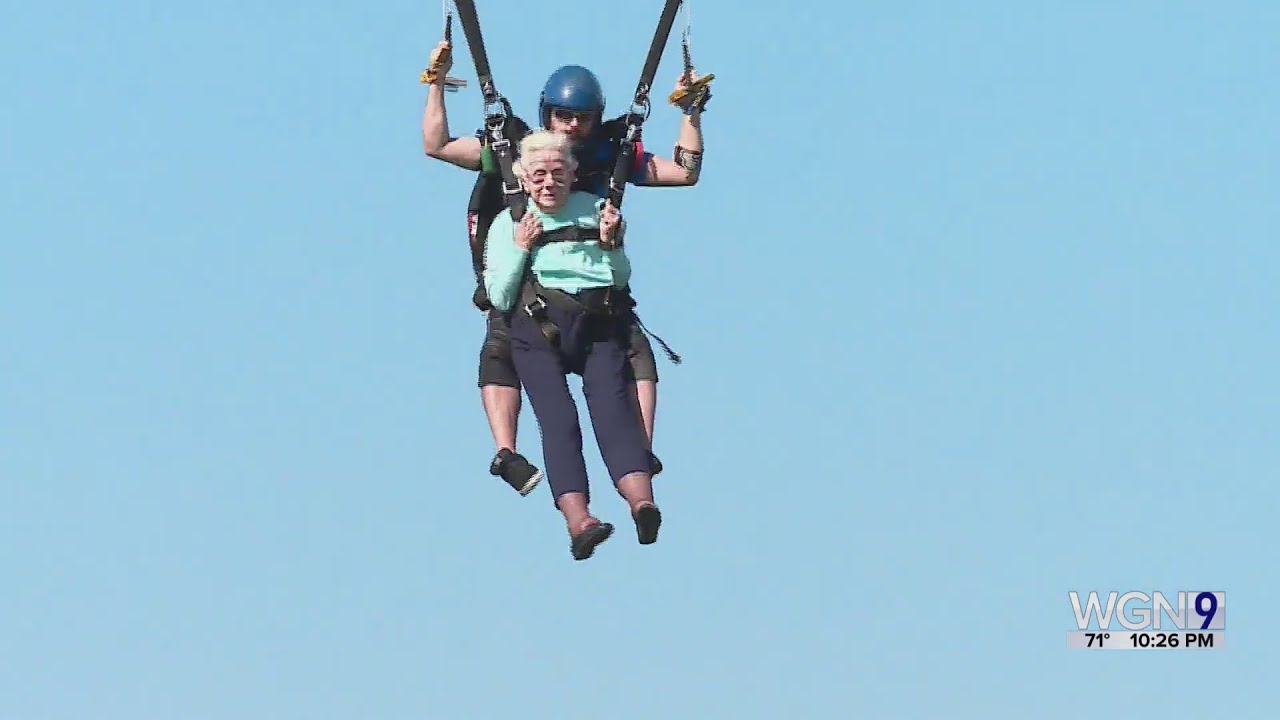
x=618, y=429
x=542, y=372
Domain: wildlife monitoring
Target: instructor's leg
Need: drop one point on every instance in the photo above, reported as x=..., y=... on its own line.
x=646, y=394
x=500, y=395
x=644, y=389
x=502, y=409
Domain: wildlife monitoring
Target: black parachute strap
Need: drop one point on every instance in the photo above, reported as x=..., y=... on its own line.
x=534, y=304
x=496, y=109
x=640, y=108
x=533, y=299
x=671, y=354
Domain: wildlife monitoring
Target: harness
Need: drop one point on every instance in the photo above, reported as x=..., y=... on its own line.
x=594, y=167
x=535, y=298
x=486, y=202
x=499, y=121
x=624, y=130
x=604, y=302
x=640, y=108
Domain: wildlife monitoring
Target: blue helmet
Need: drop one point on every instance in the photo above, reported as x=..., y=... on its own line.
x=572, y=87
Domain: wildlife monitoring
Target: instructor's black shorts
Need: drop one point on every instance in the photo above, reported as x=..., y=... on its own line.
x=643, y=366
x=496, y=367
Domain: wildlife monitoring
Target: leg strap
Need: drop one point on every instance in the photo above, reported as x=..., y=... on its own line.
x=536, y=308
x=535, y=299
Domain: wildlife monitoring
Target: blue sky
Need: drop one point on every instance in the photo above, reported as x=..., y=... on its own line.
x=977, y=305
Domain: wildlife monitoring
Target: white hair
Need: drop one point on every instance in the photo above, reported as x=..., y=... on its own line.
x=545, y=141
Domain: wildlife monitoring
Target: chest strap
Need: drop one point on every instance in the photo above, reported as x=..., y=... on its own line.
x=535, y=298
x=571, y=233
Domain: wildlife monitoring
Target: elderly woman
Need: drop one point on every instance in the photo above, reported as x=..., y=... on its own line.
x=558, y=273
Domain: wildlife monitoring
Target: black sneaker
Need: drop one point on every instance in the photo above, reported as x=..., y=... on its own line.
x=518, y=472
x=655, y=464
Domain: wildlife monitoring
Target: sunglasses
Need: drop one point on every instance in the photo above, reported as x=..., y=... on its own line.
x=567, y=116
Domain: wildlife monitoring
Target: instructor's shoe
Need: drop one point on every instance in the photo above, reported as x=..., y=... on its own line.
x=655, y=464
x=518, y=472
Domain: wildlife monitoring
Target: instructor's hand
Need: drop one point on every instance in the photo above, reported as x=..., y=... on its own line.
x=439, y=65
x=682, y=85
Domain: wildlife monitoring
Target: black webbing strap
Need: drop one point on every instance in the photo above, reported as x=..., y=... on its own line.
x=496, y=108
x=671, y=354
x=639, y=111
x=634, y=119
x=535, y=298
x=572, y=233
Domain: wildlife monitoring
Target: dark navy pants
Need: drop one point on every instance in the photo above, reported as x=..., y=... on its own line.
x=596, y=348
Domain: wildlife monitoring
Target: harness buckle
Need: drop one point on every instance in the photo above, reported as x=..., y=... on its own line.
x=496, y=108
x=536, y=308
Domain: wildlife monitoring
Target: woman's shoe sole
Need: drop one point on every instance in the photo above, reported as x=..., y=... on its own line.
x=648, y=521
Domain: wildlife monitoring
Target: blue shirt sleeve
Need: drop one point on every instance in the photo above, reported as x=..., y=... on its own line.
x=503, y=262
x=638, y=172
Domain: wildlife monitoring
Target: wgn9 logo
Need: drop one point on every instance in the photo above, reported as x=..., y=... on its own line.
x=1197, y=621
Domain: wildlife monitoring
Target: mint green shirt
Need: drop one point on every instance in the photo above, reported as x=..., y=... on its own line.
x=569, y=266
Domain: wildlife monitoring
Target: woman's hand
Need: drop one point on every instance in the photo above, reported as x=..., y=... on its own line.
x=611, y=227
x=528, y=230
